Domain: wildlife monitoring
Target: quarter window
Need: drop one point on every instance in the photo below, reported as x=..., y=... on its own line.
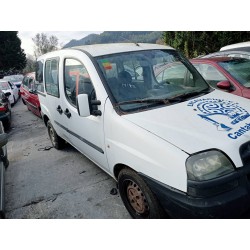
x=51, y=77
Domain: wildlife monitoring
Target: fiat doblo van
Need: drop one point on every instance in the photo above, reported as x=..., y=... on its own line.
x=142, y=113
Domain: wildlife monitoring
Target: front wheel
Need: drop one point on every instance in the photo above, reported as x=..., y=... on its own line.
x=56, y=140
x=139, y=200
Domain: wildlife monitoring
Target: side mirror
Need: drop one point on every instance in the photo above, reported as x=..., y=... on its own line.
x=82, y=104
x=7, y=94
x=226, y=85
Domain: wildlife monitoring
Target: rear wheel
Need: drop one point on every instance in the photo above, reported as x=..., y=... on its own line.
x=137, y=197
x=14, y=101
x=7, y=124
x=56, y=140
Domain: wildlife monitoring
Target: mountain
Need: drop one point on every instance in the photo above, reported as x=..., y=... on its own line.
x=117, y=36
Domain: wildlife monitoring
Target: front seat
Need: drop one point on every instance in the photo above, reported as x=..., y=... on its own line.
x=127, y=90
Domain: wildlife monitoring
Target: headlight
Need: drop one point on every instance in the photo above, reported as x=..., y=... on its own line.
x=208, y=165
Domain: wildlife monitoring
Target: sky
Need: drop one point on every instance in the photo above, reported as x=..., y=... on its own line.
x=63, y=38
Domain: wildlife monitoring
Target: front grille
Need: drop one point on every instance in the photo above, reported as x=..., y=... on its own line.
x=245, y=153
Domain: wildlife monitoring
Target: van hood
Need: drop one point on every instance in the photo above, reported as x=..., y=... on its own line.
x=217, y=120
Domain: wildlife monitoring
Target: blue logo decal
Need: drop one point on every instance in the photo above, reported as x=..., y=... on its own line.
x=212, y=108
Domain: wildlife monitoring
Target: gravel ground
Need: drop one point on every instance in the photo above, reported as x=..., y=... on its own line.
x=50, y=183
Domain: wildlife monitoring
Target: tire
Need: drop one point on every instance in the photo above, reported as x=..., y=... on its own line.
x=14, y=101
x=7, y=124
x=56, y=140
x=23, y=102
x=133, y=188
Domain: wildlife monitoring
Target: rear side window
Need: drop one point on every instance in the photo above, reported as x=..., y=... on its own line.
x=39, y=71
x=51, y=77
x=26, y=83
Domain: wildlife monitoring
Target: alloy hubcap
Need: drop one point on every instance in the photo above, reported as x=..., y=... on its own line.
x=136, y=198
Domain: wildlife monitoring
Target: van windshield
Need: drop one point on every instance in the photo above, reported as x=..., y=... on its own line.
x=141, y=79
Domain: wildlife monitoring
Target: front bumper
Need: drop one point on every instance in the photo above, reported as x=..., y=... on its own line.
x=224, y=197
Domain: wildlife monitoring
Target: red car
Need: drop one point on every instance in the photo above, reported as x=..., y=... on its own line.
x=230, y=74
x=29, y=95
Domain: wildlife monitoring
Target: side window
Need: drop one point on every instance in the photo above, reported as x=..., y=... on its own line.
x=77, y=81
x=31, y=83
x=39, y=76
x=51, y=77
x=211, y=74
x=25, y=82
x=39, y=71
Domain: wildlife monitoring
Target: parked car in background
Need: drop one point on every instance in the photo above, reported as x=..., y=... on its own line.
x=235, y=46
x=241, y=50
x=8, y=87
x=3, y=165
x=15, y=79
x=226, y=73
x=5, y=110
x=29, y=94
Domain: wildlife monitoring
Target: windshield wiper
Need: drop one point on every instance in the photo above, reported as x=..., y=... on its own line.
x=177, y=98
x=194, y=93
x=160, y=101
x=164, y=101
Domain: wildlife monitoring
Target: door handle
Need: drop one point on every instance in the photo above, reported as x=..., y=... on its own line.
x=67, y=113
x=59, y=109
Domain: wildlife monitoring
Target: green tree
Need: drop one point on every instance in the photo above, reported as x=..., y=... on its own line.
x=44, y=44
x=195, y=43
x=12, y=56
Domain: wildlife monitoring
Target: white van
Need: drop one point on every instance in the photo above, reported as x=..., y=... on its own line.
x=143, y=113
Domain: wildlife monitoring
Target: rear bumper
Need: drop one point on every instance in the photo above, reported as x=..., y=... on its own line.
x=230, y=203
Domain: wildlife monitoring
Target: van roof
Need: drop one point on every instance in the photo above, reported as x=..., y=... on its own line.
x=114, y=48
